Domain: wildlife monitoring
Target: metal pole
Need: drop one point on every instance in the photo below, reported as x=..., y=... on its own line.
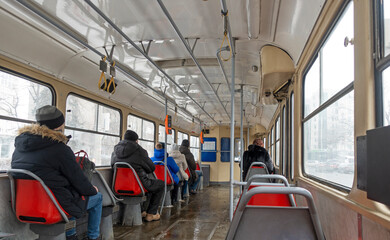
x=113, y=25
x=165, y=161
x=221, y=65
x=189, y=51
x=232, y=136
x=241, y=130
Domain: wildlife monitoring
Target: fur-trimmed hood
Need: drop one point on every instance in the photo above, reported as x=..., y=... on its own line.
x=34, y=137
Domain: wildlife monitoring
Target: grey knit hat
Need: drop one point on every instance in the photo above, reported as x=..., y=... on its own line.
x=49, y=116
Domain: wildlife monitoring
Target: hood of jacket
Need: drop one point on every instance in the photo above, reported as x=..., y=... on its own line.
x=159, y=154
x=175, y=154
x=184, y=149
x=34, y=137
x=125, y=148
x=254, y=147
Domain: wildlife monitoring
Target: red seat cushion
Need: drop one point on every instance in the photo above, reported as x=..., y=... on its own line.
x=197, y=167
x=268, y=199
x=126, y=183
x=33, y=205
x=159, y=171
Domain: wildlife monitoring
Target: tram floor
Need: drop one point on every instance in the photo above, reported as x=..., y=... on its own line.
x=203, y=216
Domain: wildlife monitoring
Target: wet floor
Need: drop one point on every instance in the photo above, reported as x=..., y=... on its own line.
x=204, y=216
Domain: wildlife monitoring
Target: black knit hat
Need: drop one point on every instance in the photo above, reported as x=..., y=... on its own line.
x=131, y=135
x=49, y=116
x=185, y=143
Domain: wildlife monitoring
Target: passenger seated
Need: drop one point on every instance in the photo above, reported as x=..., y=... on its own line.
x=41, y=149
x=195, y=177
x=180, y=160
x=171, y=164
x=128, y=150
x=256, y=153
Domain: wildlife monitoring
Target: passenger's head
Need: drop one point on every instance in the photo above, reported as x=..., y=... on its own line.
x=258, y=142
x=131, y=135
x=185, y=143
x=160, y=146
x=51, y=117
x=175, y=147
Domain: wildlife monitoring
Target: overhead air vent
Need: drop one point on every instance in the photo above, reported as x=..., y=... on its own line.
x=281, y=92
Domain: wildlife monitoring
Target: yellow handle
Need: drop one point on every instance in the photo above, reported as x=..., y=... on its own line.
x=112, y=82
x=100, y=81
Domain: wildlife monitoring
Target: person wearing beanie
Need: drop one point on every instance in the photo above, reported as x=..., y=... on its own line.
x=41, y=148
x=194, y=180
x=128, y=150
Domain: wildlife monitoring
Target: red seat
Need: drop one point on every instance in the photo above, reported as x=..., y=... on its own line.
x=197, y=167
x=33, y=204
x=268, y=199
x=126, y=181
x=188, y=173
x=159, y=171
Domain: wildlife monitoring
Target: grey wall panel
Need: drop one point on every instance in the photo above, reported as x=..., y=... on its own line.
x=373, y=230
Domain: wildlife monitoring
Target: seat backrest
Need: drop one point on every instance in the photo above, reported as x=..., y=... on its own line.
x=126, y=181
x=250, y=222
x=159, y=171
x=257, y=168
x=99, y=181
x=188, y=173
x=198, y=167
x=32, y=200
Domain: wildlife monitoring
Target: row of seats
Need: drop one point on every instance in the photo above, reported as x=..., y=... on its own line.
x=268, y=210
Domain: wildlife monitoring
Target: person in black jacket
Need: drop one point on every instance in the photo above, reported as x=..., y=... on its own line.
x=128, y=150
x=41, y=148
x=256, y=153
x=194, y=180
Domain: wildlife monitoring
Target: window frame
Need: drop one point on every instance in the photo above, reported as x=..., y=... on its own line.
x=291, y=137
x=277, y=140
x=381, y=62
x=339, y=95
x=33, y=80
x=198, y=148
x=140, y=135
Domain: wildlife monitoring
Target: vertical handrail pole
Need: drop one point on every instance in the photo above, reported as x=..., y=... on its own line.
x=232, y=135
x=165, y=159
x=241, y=131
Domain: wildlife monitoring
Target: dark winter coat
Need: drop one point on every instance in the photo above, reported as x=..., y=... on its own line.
x=190, y=161
x=256, y=154
x=131, y=152
x=172, y=166
x=44, y=152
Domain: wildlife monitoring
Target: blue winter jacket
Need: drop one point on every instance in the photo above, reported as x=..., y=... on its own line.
x=172, y=166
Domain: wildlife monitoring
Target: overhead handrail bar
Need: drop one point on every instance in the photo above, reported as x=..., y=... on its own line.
x=172, y=22
x=113, y=25
x=221, y=65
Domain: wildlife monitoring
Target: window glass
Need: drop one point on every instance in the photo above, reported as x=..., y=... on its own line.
x=386, y=14
x=292, y=136
x=237, y=149
x=145, y=130
x=277, y=141
x=95, y=128
x=181, y=136
x=329, y=142
x=194, y=146
x=386, y=96
x=19, y=99
x=170, y=138
x=271, y=153
x=284, y=139
x=312, y=88
x=337, y=61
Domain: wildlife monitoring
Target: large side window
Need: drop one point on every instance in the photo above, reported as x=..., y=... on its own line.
x=195, y=146
x=284, y=141
x=237, y=149
x=181, y=136
x=382, y=63
x=145, y=130
x=170, y=138
x=328, y=123
x=95, y=128
x=20, y=97
x=272, y=143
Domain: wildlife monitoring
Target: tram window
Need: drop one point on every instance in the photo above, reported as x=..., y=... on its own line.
x=95, y=128
x=19, y=99
x=181, y=136
x=145, y=130
x=292, y=136
x=386, y=20
x=386, y=96
x=277, y=141
x=170, y=138
x=195, y=146
x=271, y=142
x=284, y=143
x=328, y=130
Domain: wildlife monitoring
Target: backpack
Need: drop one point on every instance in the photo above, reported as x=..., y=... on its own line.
x=86, y=165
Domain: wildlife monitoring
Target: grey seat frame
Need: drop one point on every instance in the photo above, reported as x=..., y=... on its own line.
x=252, y=172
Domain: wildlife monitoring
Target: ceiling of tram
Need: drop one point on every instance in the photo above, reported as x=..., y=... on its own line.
x=254, y=24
